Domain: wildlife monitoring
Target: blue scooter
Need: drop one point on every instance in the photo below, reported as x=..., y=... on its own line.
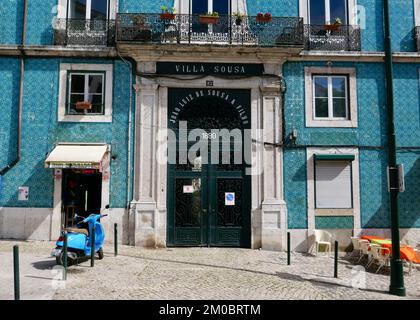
x=79, y=240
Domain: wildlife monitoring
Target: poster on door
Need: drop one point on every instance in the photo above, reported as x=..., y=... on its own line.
x=229, y=198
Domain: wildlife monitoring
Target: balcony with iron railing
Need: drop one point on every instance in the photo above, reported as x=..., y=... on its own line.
x=332, y=38
x=224, y=30
x=84, y=32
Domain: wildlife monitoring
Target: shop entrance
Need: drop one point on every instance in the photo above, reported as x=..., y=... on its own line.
x=81, y=194
x=209, y=191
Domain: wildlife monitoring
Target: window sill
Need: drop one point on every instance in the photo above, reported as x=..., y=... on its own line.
x=85, y=118
x=331, y=123
x=334, y=212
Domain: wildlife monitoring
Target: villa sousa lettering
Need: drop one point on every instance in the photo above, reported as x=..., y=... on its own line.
x=209, y=69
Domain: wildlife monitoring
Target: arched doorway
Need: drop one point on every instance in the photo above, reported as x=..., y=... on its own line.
x=208, y=189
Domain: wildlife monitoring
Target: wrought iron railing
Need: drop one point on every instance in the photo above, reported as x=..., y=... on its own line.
x=84, y=32
x=332, y=38
x=225, y=30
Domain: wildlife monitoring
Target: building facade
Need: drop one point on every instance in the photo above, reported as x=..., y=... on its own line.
x=103, y=102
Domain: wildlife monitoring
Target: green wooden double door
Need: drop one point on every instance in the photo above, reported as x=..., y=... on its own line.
x=209, y=201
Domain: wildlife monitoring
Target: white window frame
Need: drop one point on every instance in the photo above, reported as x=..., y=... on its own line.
x=64, y=91
x=417, y=13
x=327, y=11
x=355, y=180
x=330, y=97
x=86, y=90
x=183, y=6
x=62, y=9
x=311, y=121
x=351, y=9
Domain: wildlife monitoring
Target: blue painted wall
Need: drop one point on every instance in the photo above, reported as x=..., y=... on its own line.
x=41, y=131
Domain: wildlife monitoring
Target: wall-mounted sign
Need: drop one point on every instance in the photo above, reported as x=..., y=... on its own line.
x=227, y=69
x=229, y=198
x=23, y=193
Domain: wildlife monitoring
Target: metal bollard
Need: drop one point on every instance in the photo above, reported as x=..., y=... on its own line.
x=115, y=239
x=92, y=248
x=288, y=248
x=16, y=271
x=336, y=260
x=65, y=256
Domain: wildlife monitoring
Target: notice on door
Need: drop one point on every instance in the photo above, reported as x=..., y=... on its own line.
x=188, y=189
x=229, y=198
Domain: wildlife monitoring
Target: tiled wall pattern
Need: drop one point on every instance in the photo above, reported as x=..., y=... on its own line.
x=11, y=12
x=149, y=6
x=370, y=135
x=41, y=132
x=334, y=222
x=41, y=13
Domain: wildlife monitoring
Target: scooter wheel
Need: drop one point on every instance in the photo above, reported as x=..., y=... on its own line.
x=101, y=254
x=59, y=260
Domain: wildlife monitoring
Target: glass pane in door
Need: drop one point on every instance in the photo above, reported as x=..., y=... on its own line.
x=338, y=9
x=188, y=203
x=199, y=7
x=229, y=202
x=221, y=7
x=317, y=12
x=77, y=9
x=99, y=10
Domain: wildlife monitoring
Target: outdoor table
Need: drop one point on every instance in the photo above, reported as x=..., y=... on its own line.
x=370, y=238
x=406, y=252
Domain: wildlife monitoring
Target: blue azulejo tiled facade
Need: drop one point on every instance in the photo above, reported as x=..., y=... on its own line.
x=116, y=73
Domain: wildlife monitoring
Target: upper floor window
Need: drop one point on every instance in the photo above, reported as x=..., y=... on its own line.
x=330, y=97
x=327, y=11
x=86, y=93
x=88, y=9
x=204, y=6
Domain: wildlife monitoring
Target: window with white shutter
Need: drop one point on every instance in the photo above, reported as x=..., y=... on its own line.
x=333, y=185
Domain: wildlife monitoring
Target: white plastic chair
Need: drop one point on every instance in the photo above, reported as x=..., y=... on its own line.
x=364, y=250
x=411, y=265
x=379, y=256
x=322, y=238
x=412, y=244
x=356, y=246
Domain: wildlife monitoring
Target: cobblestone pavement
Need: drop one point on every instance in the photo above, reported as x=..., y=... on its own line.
x=194, y=273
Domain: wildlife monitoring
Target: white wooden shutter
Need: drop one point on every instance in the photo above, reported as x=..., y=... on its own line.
x=333, y=184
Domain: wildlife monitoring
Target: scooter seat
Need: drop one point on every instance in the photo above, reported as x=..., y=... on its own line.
x=76, y=230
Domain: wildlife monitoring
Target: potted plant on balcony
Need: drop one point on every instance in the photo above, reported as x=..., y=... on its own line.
x=209, y=18
x=264, y=17
x=167, y=13
x=139, y=20
x=333, y=27
x=83, y=105
x=239, y=18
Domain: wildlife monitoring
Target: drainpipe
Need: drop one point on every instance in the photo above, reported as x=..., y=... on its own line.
x=397, y=277
x=4, y=170
x=133, y=70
